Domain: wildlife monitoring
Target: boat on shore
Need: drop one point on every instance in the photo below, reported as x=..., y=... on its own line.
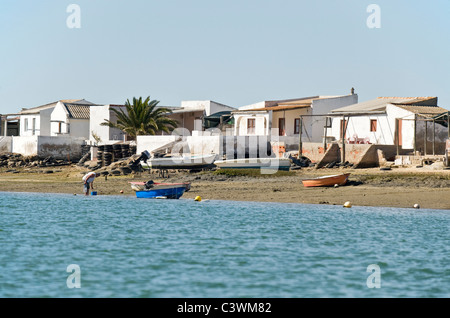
x=255, y=163
x=155, y=190
x=180, y=162
x=327, y=181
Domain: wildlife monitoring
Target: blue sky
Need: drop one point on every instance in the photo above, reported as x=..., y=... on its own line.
x=236, y=52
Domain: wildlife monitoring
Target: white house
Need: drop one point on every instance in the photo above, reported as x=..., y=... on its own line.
x=191, y=113
x=284, y=116
x=393, y=121
x=71, y=119
x=100, y=114
x=36, y=121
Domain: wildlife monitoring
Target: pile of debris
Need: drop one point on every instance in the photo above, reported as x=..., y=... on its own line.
x=298, y=163
x=337, y=164
x=14, y=160
x=124, y=166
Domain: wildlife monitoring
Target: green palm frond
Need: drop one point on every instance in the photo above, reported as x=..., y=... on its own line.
x=142, y=117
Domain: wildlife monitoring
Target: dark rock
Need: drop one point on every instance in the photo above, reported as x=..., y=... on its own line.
x=115, y=172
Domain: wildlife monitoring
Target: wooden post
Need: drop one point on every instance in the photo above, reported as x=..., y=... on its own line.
x=397, y=135
x=325, y=134
x=426, y=137
x=5, y=128
x=300, y=144
x=344, y=128
x=434, y=136
x=415, y=134
x=448, y=124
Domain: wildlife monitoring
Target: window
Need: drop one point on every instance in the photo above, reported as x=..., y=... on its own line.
x=296, y=126
x=251, y=126
x=34, y=126
x=281, y=127
x=25, y=125
x=373, y=125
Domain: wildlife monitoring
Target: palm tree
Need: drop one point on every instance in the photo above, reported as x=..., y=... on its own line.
x=142, y=118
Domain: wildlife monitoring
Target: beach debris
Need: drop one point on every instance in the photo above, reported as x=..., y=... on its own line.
x=83, y=159
x=115, y=172
x=302, y=162
x=416, y=206
x=198, y=198
x=338, y=164
x=13, y=160
x=347, y=204
x=121, y=191
x=336, y=185
x=331, y=164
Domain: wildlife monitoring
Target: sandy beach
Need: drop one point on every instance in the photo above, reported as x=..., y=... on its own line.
x=399, y=187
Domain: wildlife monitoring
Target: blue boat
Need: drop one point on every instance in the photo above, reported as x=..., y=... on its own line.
x=160, y=190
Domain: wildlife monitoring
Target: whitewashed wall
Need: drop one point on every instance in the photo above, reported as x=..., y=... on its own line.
x=26, y=125
x=5, y=144
x=359, y=126
x=325, y=106
x=151, y=143
x=98, y=115
x=262, y=123
x=59, y=114
x=25, y=145
x=44, y=121
x=204, y=145
x=79, y=128
x=215, y=108
x=289, y=119
x=61, y=147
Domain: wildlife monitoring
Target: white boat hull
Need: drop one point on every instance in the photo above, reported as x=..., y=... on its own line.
x=254, y=163
x=185, y=162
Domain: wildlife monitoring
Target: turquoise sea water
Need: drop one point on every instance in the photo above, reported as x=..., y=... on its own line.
x=128, y=247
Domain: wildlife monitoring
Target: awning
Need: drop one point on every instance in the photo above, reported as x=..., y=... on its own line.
x=214, y=120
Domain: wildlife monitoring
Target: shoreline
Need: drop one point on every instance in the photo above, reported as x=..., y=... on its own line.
x=255, y=201
x=400, y=187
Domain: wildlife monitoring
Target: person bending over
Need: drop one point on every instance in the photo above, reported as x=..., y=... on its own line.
x=88, y=180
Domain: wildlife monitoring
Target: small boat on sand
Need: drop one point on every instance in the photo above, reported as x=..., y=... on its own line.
x=155, y=190
x=326, y=181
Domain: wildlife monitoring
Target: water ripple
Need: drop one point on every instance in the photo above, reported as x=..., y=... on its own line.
x=128, y=247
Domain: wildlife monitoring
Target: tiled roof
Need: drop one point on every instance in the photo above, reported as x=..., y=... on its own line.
x=280, y=107
x=37, y=109
x=77, y=111
x=288, y=104
x=69, y=100
x=379, y=104
x=427, y=111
